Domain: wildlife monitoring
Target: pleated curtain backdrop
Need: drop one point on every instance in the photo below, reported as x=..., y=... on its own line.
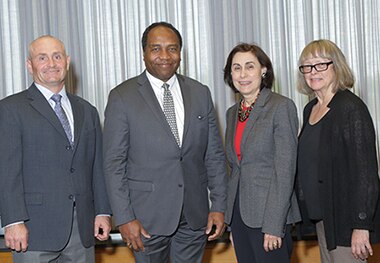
x=103, y=38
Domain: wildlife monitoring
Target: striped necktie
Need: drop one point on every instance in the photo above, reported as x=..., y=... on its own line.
x=62, y=117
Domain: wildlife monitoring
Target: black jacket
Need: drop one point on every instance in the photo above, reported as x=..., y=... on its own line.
x=347, y=169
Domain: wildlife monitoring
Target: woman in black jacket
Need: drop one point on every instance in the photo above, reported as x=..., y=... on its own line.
x=337, y=163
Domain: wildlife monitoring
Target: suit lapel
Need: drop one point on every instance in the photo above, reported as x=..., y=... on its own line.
x=254, y=115
x=40, y=104
x=150, y=98
x=186, y=97
x=232, y=132
x=78, y=114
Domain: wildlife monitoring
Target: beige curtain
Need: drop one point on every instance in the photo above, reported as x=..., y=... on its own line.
x=103, y=39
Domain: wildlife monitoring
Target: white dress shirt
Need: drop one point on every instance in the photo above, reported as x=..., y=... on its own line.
x=65, y=102
x=177, y=98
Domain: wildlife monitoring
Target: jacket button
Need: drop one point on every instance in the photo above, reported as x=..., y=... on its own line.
x=72, y=170
x=71, y=197
x=180, y=185
x=362, y=215
x=68, y=147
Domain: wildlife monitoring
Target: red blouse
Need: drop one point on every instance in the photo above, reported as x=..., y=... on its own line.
x=239, y=135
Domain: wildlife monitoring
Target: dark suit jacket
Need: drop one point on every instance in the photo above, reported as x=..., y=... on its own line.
x=265, y=174
x=347, y=169
x=40, y=173
x=149, y=177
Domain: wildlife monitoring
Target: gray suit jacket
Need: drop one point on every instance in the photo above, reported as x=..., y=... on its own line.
x=266, y=171
x=149, y=177
x=41, y=174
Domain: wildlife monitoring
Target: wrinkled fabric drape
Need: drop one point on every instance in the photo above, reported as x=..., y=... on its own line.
x=103, y=38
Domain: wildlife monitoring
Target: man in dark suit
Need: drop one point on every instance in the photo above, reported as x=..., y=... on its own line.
x=53, y=198
x=162, y=152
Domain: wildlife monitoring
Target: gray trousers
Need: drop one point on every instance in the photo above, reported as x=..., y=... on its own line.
x=73, y=252
x=183, y=246
x=338, y=255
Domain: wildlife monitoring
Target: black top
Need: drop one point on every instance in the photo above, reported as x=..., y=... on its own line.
x=308, y=158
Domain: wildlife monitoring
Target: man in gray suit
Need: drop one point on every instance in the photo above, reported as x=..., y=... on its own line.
x=53, y=198
x=162, y=152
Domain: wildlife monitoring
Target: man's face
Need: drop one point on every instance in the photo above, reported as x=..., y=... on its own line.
x=48, y=63
x=162, y=53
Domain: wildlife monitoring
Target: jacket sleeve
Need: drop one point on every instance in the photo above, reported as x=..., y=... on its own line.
x=116, y=146
x=360, y=136
x=215, y=163
x=101, y=202
x=12, y=202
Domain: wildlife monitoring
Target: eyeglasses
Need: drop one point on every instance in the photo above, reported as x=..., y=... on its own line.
x=304, y=69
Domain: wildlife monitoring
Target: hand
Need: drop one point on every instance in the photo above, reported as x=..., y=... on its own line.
x=272, y=242
x=360, y=246
x=215, y=219
x=102, y=227
x=131, y=233
x=16, y=237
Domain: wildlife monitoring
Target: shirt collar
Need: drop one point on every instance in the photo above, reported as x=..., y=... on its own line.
x=158, y=83
x=48, y=93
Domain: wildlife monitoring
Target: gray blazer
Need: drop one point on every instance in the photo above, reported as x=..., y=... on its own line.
x=41, y=174
x=266, y=171
x=149, y=177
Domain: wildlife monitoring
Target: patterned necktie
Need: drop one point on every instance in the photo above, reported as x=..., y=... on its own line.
x=62, y=116
x=169, y=111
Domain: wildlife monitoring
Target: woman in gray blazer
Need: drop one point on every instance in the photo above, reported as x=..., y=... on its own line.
x=261, y=146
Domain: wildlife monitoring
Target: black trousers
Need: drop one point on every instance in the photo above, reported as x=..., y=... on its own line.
x=249, y=242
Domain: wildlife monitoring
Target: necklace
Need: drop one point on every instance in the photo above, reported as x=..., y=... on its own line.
x=244, y=111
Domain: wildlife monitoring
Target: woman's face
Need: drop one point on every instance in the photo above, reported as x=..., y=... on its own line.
x=322, y=75
x=246, y=74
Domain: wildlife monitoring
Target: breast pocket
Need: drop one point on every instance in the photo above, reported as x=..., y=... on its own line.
x=199, y=127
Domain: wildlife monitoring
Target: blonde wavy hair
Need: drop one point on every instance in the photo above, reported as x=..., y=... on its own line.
x=323, y=48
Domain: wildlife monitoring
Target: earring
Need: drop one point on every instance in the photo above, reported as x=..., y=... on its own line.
x=264, y=75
